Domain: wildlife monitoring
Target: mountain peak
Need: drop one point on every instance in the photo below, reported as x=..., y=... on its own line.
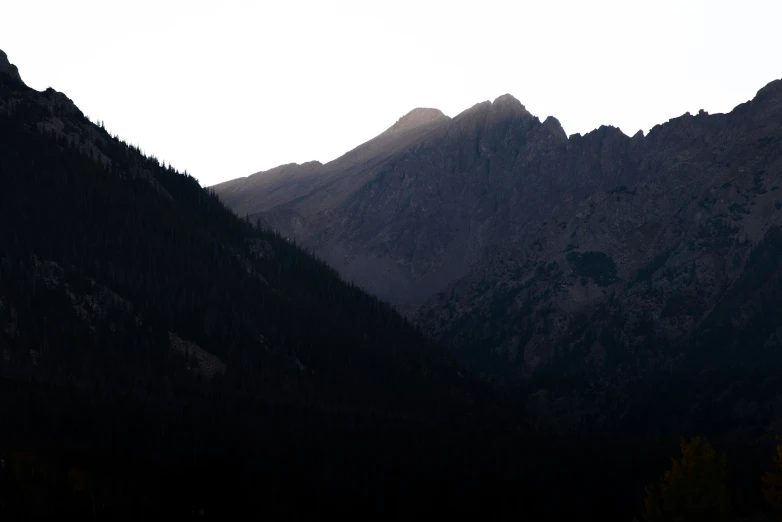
x=772, y=88
x=507, y=104
x=418, y=117
x=555, y=128
x=507, y=98
x=770, y=95
x=8, y=68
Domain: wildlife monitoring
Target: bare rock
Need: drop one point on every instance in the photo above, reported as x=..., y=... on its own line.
x=8, y=68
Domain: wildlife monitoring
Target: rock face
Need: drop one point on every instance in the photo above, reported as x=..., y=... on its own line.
x=8, y=68
x=541, y=259
x=411, y=211
x=417, y=118
x=404, y=214
x=644, y=260
x=302, y=191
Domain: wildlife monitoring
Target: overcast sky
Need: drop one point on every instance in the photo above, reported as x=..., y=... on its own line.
x=226, y=88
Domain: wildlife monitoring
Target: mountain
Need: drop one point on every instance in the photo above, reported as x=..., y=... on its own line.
x=412, y=218
x=327, y=185
x=599, y=276
x=305, y=197
x=159, y=355
x=651, y=260
x=91, y=225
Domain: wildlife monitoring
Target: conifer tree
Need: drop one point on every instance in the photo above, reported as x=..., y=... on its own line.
x=694, y=489
x=772, y=481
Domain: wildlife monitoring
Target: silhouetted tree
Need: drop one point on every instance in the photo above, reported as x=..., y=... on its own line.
x=693, y=490
x=772, y=481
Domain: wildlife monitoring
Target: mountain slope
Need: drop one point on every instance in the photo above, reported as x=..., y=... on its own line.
x=326, y=185
x=162, y=358
x=595, y=263
x=175, y=354
x=82, y=208
x=644, y=259
x=399, y=226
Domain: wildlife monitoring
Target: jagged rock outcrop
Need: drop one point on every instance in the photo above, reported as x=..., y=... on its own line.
x=8, y=68
x=656, y=263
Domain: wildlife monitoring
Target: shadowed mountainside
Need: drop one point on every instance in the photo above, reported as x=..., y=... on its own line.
x=162, y=358
x=549, y=262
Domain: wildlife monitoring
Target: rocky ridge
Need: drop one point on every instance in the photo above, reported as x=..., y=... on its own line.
x=543, y=259
x=8, y=68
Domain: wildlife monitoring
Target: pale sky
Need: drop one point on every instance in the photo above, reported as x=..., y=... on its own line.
x=226, y=88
